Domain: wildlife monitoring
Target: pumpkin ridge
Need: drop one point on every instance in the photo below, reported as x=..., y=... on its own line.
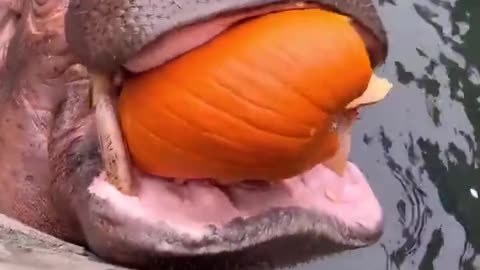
x=220, y=139
x=249, y=122
x=241, y=120
x=219, y=160
x=293, y=89
x=207, y=134
x=271, y=76
x=157, y=137
x=252, y=102
x=235, y=93
x=232, y=94
x=247, y=79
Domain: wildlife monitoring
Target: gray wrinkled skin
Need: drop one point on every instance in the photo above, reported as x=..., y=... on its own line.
x=49, y=148
x=106, y=33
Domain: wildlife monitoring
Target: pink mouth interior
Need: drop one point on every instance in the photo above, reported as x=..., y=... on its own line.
x=193, y=205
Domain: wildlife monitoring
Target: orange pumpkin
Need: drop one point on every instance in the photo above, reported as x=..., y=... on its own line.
x=257, y=102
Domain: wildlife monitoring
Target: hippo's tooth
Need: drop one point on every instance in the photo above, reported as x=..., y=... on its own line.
x=300, y=4
x=114, y=154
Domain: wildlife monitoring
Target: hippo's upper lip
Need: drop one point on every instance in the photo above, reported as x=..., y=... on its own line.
x=173, y=44
x=105, y=43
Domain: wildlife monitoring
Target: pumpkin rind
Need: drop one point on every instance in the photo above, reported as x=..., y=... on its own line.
x=257, y=102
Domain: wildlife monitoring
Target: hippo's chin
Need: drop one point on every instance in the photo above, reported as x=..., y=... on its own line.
x=245, y=223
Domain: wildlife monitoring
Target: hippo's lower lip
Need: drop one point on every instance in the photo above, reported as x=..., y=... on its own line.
x=203, y=219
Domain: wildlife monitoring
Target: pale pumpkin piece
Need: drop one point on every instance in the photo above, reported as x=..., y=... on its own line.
x=378, y=89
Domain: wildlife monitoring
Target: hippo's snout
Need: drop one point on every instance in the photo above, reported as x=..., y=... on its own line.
x=60, y=128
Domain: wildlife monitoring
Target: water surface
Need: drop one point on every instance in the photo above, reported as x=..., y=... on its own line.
x=419, y=147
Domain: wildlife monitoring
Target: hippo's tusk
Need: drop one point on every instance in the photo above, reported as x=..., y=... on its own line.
x=112, y=147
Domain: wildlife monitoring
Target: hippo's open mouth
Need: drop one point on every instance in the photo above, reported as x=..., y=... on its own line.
x=252, y=221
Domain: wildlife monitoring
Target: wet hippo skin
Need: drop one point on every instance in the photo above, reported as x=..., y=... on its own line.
x=51, y=169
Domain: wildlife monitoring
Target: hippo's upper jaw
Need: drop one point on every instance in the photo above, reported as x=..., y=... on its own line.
x=137, y=219
x=106, y=34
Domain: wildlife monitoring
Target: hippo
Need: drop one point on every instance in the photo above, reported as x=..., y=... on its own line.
x=64, y=168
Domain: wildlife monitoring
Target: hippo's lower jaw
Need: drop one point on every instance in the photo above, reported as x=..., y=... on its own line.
x=198, y=223
x=278, y=224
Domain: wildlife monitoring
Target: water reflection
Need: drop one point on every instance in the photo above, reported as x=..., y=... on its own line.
x=419, y=147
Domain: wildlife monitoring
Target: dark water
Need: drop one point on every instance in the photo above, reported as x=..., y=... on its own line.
x=419, y=147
